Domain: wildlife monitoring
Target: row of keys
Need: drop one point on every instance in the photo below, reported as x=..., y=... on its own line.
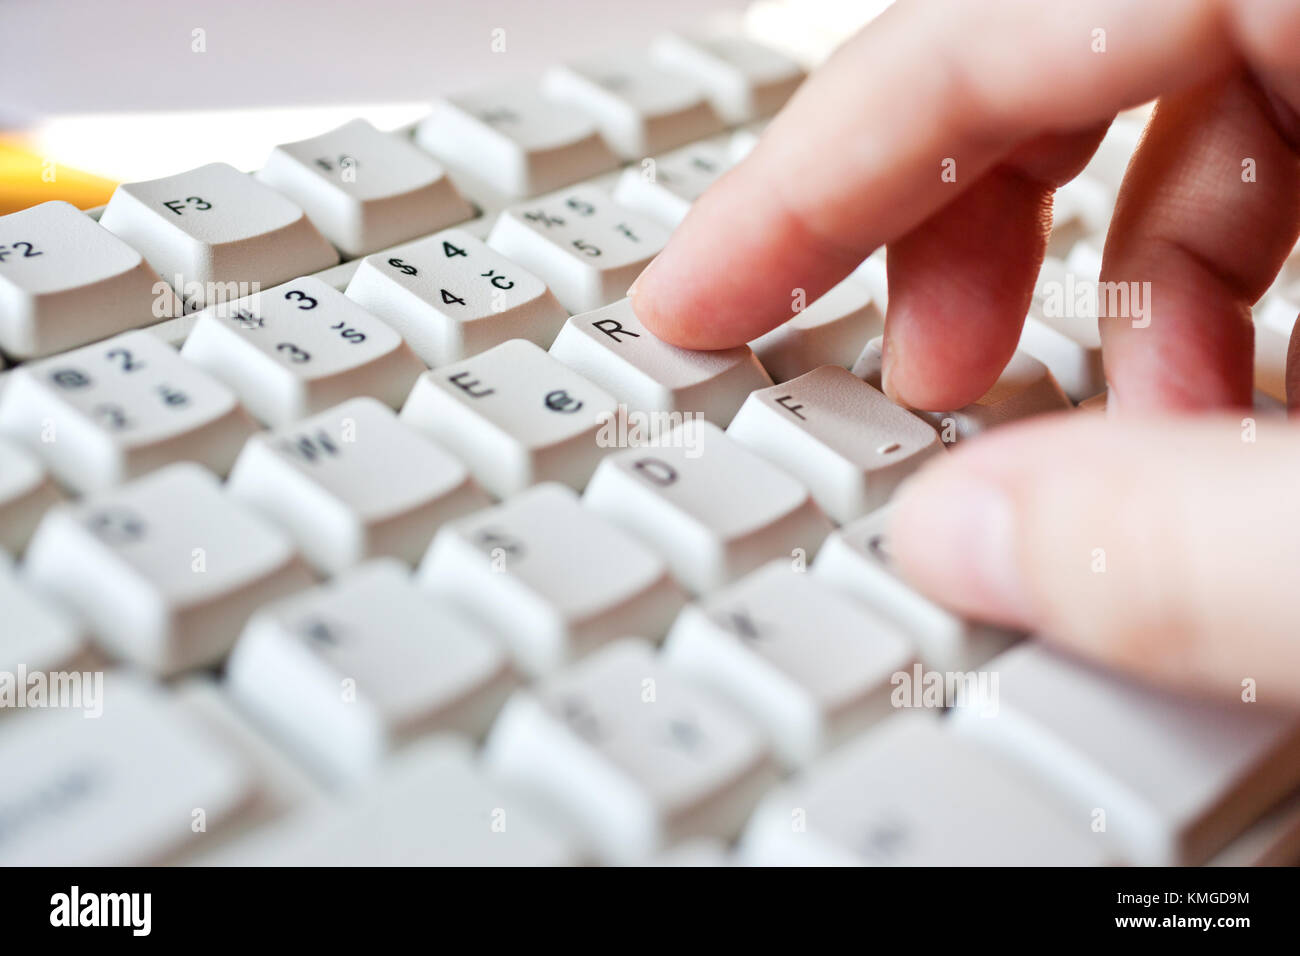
x=357, y=190
x=637, y=751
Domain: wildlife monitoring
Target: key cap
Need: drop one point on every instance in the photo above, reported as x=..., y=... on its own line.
x=430, y=806
x=807, y=664
x=1278, y=312
x=611, y=347
x=517, y=417
x=711, y=507
x=552, y=579
x=451, y=297
x=700, y=851
x=280, y=786
x=1175, y=778
x=164, y=570
x=1270, y=364
x=39, y=636
x=632, y=756
x=65, y=280
x=346, y=673
x=641, y=109
x=586, y=248
x=856, y=559
x=354, y=483
x=831, y=331
x=1081, y=208
x=664, y=188
x=26, y=490
x=1061, y=330
x=743, y=141
x=745, y=80
x=363, y=189
x=516, y=140
x=1273, y=840
x=124, y=789
x=873, y=274
x=299, y=349
x=839, y=436
x=105, y=413
x=216, y=234
x=908, y=794
x=1024, y=389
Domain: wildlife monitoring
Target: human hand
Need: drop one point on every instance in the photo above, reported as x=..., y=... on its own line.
x=1200, y=536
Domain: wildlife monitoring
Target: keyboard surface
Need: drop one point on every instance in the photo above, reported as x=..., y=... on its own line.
x=348, y=515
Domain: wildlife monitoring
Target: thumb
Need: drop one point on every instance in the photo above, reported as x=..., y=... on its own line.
x=1170, y=548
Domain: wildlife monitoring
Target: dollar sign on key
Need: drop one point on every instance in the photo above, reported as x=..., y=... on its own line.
x=403, y=267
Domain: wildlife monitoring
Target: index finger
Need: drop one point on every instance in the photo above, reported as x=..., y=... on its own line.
x=855, y=158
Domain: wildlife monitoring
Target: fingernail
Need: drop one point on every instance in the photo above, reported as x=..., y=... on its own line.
x=955, y=535
x=631, y=290
x=888, y=370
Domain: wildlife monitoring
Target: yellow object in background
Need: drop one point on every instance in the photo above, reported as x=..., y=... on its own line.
x=27, y=178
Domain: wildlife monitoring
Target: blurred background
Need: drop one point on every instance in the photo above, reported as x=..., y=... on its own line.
x=93, y=93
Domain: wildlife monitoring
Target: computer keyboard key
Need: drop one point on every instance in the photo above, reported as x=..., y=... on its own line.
x=26, y=491
x=1025, y=388
x=550, y=578
x=830, y=331
x=364, y=189
x=711, y=507
x=633, y=756
x=517, y=417
x=1278, y=312
x=583, y=245
x=1061, y=331
x=217, y=234
x=280, y=784
x=663, y=188
x=124, y=789
x=909, y=794
x=299, y=349
x=611, y=347
x=105, y=413
x=809, y=665
x=843, y=439
x=874, y=274
x=430, y=805
x=65, y=280
x=640, y=108
x=164, y=570
x=1272, y=840
x=1171, y=778
x=353, y=483
x=347, y=672
x=1271, y=350
x=744, y=80
x=856, y=559
x=450, y=296
x=39, y=635
x=516, y=140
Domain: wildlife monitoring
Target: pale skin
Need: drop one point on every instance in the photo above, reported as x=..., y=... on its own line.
x=1199, y=528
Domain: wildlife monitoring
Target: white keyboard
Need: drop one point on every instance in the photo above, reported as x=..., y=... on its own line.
x=375, y=529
